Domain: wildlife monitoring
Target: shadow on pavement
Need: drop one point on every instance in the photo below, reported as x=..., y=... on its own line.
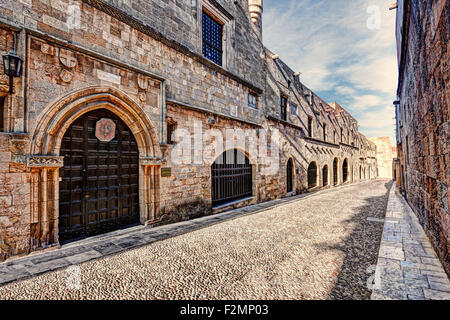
x=361, y=250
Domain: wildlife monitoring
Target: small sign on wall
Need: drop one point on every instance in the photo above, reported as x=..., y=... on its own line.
x=166, y=172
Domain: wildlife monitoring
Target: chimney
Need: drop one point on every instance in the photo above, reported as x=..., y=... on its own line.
x=256, y=8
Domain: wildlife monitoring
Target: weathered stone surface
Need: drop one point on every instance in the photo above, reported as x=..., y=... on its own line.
x=143, y=60
x=423, y=117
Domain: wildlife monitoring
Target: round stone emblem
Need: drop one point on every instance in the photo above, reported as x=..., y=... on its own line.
x=105, y=130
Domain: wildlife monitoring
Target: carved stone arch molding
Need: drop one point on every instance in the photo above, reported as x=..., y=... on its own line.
x=45, y=161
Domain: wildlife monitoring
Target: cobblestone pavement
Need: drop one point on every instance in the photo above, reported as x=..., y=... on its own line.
x=322, y=246
x=408, y=267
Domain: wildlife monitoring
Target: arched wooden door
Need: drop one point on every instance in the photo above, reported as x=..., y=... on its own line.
x=290, y=175
x=345, y=171
x=99, y=186
x=325, y=175
x=312, y=175
x=231, y=175
x=335, y=171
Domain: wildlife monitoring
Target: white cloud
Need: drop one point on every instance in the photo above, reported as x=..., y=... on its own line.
x=330, y=43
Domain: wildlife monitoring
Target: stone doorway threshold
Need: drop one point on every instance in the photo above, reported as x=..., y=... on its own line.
x=408, y=267
x=118, y=241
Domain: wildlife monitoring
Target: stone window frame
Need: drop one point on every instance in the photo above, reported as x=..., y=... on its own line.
x=251, y=105
x=171, y=127
x=227, y=29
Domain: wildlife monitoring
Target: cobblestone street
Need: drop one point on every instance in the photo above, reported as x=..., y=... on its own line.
x=320, y=247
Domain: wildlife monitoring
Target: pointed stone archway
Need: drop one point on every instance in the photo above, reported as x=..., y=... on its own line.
x=44, y=160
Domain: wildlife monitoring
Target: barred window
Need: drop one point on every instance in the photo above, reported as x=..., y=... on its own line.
x=212, y=39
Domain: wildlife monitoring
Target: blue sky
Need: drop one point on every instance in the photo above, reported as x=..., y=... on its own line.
x=345, y=51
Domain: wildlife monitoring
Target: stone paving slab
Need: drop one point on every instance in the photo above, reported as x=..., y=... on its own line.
x=407, y=267
x=121, y=240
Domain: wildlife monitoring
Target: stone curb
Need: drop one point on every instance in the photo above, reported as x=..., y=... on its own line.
x=407, y=266
x=119, y=241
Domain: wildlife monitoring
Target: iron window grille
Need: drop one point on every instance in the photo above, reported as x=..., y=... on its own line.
x=212, y=39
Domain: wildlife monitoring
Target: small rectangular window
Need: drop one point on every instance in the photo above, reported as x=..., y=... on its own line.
x=293, y=109
x=212, y=39
x=310, y=127
x=283, y=108
x=252, y=101
x=342, y=135
x=324, y=132
x=170, y=130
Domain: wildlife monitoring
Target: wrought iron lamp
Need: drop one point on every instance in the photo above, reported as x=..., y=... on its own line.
x=12, y=66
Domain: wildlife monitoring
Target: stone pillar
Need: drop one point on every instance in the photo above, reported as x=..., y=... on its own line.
x=150, y=189
x=44, y=213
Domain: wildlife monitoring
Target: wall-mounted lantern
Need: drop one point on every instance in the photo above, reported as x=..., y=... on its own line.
x=12, y=66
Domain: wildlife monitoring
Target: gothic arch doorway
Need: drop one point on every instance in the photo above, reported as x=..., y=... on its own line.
x=345, y=171
x=325, y=175
x=54, y=126
x=99, y=183
x=335, y=171
x=312, y=175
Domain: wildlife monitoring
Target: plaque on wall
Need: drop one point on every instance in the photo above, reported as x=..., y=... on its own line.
x=166, y=172
x=105, y=130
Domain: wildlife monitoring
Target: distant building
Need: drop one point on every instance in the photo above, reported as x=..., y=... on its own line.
x=422, y=116
x=385, y=155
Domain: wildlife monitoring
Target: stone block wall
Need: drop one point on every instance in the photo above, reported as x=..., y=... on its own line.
x=142, y=59
x=423, y=112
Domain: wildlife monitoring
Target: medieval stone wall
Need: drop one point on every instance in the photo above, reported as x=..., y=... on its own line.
x=424, y=120
x=142, y=60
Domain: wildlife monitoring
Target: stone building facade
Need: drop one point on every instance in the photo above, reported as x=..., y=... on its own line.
x=385, y=156
x=422, y=115
x=110, y=90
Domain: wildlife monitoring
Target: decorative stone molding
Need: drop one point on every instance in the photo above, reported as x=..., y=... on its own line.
x=38, y=161
x=66, y=76
x=67, y=58
x=152, y=161
x=142, y=82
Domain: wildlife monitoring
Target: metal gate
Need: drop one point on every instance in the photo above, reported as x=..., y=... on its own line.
x=99, y=186
x=231, y=178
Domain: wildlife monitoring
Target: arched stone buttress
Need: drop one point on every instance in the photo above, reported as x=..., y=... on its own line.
x=45, y=161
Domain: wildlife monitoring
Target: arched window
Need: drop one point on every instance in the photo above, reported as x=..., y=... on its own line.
x=335, y=171
x=290, y=175
x=231, y=177
x=360, y=172
x=312, y=175
x=325, y=175
x=345, y=171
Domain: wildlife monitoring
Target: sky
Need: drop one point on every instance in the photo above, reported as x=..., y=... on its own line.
x=345, y=51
